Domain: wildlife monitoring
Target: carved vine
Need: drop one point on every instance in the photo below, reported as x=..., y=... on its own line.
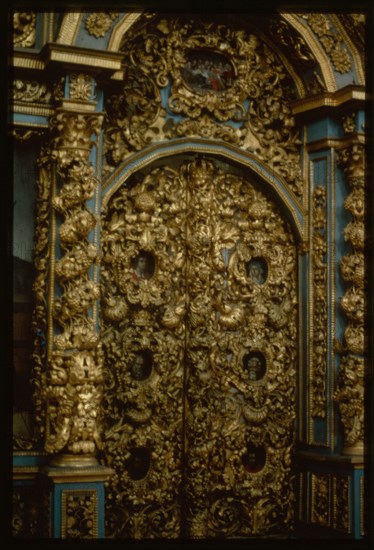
x=73, y=379
x=350, y=392
x=79, y=515
x=189, y=298
x=350, y=397
x=319, y=243
x=245, y=102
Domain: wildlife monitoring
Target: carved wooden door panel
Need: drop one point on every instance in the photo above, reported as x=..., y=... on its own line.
x=199, y=336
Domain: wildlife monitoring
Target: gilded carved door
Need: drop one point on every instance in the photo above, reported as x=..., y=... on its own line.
x=199, y=337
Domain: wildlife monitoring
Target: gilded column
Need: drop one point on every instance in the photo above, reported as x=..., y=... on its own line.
x=74, y=376
x=72, y=384
x=350, y=390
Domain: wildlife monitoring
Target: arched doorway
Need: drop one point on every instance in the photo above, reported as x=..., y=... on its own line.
x=199, y=331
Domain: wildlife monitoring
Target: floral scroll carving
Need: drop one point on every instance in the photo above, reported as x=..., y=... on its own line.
x=206, y=80
x=319, y=243
x=184, y=335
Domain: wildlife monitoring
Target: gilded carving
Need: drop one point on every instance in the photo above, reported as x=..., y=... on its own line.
x=98, y=23
x=341, y=514
x=73, y=380
x=198, y=331
x=349, y=123
x=330, y=39
x=321, y=495
x=351, y=383
x=79, y=516
x=25, y=513
x=25, y=134
x=350, y=398
x=353, y=265
x=80, y=87
x=30, y=91
x=204, y=80
x=24, y=25
x=40, y=288
x=319, y=360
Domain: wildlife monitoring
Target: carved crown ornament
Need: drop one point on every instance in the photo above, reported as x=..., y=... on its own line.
x=188, y=78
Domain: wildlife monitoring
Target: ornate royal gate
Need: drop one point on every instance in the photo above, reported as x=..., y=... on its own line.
x=199, y=336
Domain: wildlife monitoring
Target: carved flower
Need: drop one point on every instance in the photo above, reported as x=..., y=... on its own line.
x=318, y=23
x=328, y=43
x=97, y=24
x=341, y=60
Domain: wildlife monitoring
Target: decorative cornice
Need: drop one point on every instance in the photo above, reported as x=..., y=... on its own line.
x=77, y=474
x=335, y=143
x=27, y=60
x=32, y=109
x=84, y=57
x=323, y=100
x=72, y=56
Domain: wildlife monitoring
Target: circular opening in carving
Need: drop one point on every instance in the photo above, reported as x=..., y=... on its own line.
x=206, y=70
x=138, y=463
x=257, y=270
x=141, y=366
x=254, y=459
x=143, y=266
x=254, y=363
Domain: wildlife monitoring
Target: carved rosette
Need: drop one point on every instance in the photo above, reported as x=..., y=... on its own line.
x=73, y=383
x=319, y=360
x=199, y=355
x=350, y=391
x=185, y=78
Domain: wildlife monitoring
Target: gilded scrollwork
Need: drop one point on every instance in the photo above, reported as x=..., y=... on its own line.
x=207, y=80
x=350, y=398
x=30, y=91
x=319, y=361
x=79, y=516
x=198, y=340
x=24, y=26
x=350, y=391
x=341, y=513
x=40, y=289
x=321, y=498
x=330, y=39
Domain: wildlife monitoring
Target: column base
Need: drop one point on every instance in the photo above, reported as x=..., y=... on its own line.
x=66, y=460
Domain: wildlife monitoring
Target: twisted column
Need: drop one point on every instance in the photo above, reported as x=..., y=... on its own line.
x=74, y=377
x=350, y=391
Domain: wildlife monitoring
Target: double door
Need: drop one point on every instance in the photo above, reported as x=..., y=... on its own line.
x=198, y=320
